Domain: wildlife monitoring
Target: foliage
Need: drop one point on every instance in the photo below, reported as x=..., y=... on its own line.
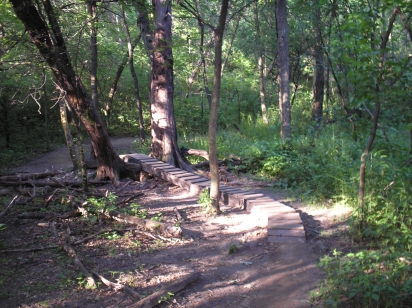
x=102, y=206
x=138, y=210
x=204, y=198
x=366, y=279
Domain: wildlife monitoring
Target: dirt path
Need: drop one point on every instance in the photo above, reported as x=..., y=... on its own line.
x=257, y=274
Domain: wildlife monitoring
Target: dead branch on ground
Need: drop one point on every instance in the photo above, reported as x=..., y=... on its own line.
x=12, y=202
x=29, y=176
x=118, y=287
x=91, y=284
x=163, y=228
x=54, y=183
x=131, y=198
x=28, y=249
x=153, y=299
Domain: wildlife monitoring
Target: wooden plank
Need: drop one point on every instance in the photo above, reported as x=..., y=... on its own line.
x=191, y=177
x=177, y=172
x=287, y=233
x=284, y=239
x=274, y=209
x=285, y=225
x=287, y=216
x=182, y=175
x=156, y=163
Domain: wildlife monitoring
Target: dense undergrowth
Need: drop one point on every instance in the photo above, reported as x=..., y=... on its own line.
x=322, y=167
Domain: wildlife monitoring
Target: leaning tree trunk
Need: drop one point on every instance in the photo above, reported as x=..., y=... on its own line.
x=49, y=41
x=283, y=66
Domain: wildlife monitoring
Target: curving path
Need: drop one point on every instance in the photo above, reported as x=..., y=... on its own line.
x=283, y=223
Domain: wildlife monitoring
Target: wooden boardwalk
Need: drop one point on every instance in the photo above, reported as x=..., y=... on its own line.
x=283, y=222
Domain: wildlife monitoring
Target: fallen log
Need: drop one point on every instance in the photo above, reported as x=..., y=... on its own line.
x=118, y=287
x=28, y=249
x=51, y=184
x=195, y=152
x=29, y=176
x=167, y=291
x=166, y=229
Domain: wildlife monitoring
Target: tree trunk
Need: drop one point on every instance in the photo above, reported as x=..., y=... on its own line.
x=113, y=88
x=135, y=80
x=319, y=74
x=375, y=118
x=49, y=41
x=144, y=25
x=46, y=114
x=74, y=155
x=164, y=137
x=283, y=66
x=260, y=67
x=92, y=22
x=214, y=170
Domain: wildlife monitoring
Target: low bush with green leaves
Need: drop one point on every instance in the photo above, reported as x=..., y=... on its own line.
x=366, y=279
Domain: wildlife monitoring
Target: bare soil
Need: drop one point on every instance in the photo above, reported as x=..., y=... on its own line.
x=238, y=267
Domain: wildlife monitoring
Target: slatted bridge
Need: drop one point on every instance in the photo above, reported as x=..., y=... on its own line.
x=283, y=222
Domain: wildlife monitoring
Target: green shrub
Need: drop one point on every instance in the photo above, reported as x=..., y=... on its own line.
x=366, y=279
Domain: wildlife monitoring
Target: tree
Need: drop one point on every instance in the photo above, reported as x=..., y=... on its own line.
x=163, y=127
x=48, y=38
x=260, y=66
x=214, y=169
x=283, y=67
x=319, y=74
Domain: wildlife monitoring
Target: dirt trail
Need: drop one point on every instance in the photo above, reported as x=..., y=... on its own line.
x=274, y=275
x=59, y=159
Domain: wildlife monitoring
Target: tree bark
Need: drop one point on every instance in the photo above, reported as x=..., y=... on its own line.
x=214, y=168
x=283, y=66
x=49, y=41
x=163, y=126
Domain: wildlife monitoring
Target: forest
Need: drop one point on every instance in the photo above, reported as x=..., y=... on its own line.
x=313, y=97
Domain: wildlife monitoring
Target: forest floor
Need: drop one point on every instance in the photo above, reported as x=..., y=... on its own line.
x=236, y=264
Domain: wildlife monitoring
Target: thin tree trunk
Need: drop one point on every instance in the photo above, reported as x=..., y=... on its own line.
x=230, y=46
x=135, y=80
x=376, y=113
x=113, y=88
x=203, y=62
x=283, y=66
x=92, y=22
x=260, y=67
x=214, y=170
x=319, y=74
x=46, y=114
x=74, y=155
